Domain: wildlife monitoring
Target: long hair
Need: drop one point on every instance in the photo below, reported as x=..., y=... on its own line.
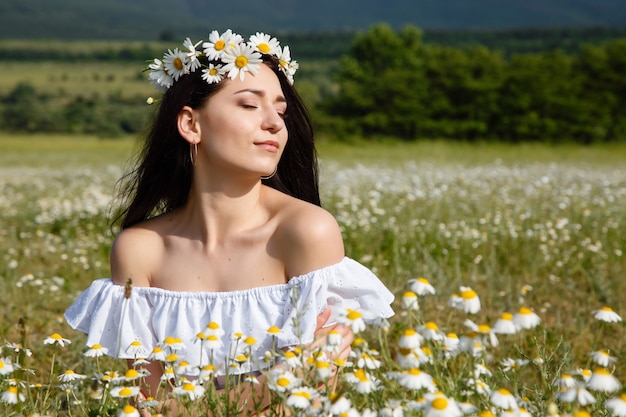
x=161, y=179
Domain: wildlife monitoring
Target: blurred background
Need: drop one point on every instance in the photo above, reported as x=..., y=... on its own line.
x=511, y=71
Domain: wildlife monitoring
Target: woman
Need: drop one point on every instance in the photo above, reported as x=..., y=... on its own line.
x=224, y=225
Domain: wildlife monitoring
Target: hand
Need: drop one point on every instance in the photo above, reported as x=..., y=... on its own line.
x=347, y=337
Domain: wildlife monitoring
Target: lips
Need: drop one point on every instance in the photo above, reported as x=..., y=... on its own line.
x=268, y=145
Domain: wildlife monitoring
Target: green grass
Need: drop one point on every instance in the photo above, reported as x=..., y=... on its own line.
x=523, y=225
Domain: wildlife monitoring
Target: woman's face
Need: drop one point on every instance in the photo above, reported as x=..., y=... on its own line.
x=242, y=126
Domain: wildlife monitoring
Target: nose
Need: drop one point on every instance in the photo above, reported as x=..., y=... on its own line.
x=273, y=121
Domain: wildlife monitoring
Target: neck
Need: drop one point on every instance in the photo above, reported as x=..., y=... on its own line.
x=217, y=209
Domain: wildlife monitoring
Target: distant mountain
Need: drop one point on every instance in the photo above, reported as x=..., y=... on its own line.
x=151, y=19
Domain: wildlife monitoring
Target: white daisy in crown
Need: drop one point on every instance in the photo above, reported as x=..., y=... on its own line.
x=192, y=54
x=241, y=59
x=176, y=63
x=265, y=43
x=158, y=76
x=218, y=44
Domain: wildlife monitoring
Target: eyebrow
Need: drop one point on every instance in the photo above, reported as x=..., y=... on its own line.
x=260, y=93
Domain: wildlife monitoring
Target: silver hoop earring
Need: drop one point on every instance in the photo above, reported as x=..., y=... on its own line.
x=271, y=175
x=193, y=153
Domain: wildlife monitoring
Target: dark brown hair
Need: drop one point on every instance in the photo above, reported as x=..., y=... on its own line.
x=161, y=179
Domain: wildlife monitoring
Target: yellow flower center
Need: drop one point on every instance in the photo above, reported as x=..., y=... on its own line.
x=200, y=336
x=504, y=391
x=282, y=382
x=415, y=371
x=409, y=332
x=427, y=350
x=468, y=294
x=273, y=330
x=410, y=294
x=581, y=413
x=69, y=372
x=169, y=340
x=303, y=394
x=134, y=343
x=506, y=316
x=129, y=409
x=212, y=338
x=525, y=310
x=56, y=336
x=486, y=413
x=157, y=349
x=607, y=309
x=602, y=371
x=423, y=280
x=189, y=387
x=263, y=47
x=172, y=357
x=249, y=340
x=406, y=351
x=439, y=403
x=241, y=61
x=183, y=363
x=12, y=390
x=131, y=373
x=213, y=325
x=208, y=368
x=96, y=346
x=452, y=336
x=178, y=63
x=126, y=392
x=361, y=375
x=623, y=397
x=353, y=314
x=431, y=326
x=219, y=45
x=483, y=328
x=290, y=354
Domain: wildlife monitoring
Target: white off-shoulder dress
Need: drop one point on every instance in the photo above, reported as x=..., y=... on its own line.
x=151, y=314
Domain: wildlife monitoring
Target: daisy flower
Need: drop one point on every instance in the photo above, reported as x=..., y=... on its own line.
x=96, y=350
x=339, y=404
x=240, y=59
x=12, y=396
x=421, y=286
x=565, y=381
x=442, y=406
x=363, y=382
x=431, y=331
x=176, y=63
x=212, y=342
x=292, y=359
x=17, y=348
x=133, y=374
x=479, y=387
x=214, y=329
x=606, y=314
x=283, y=381
x=157, y=354
x=525, y=318
x=136, y=349
x=173, y=343
x=159, y=76
x=617, y=406
x=470, y=301
x=451, y=340
x=56, y=339
x=286, y=65
x=190, y=390
x=265, y=44
x=602, y=380
x=334, y=339
x=602, y=358
x=354, y=319
x=218, y=44
x=213, y=74
x=505, y=324
x=584, y=373
x=184, y=368
x=368, y=361
x=70, y=375
x=206, y=373
x=124, y=392
x=192, y=54
x=6, y=367
x=410, y=339
x=577, y=393
x=409, y=301
x=301, y=397
x=128, y=411
x=502, y=398
x=415, y=379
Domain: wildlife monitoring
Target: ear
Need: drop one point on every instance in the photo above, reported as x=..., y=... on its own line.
x=188, y=125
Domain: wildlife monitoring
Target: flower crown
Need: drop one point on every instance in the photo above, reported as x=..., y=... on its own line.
x=228, y=56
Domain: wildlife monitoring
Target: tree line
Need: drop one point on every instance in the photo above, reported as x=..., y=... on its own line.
x=392, y=83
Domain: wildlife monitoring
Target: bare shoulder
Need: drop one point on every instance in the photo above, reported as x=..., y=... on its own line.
x=134, y=254
x=309, y=238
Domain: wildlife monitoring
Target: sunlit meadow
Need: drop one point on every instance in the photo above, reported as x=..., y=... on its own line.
x=523, y=248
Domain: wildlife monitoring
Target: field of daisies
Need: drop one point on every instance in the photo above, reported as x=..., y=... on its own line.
x=509, y=277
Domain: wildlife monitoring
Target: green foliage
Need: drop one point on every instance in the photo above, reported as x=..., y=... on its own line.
x=391, y=84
